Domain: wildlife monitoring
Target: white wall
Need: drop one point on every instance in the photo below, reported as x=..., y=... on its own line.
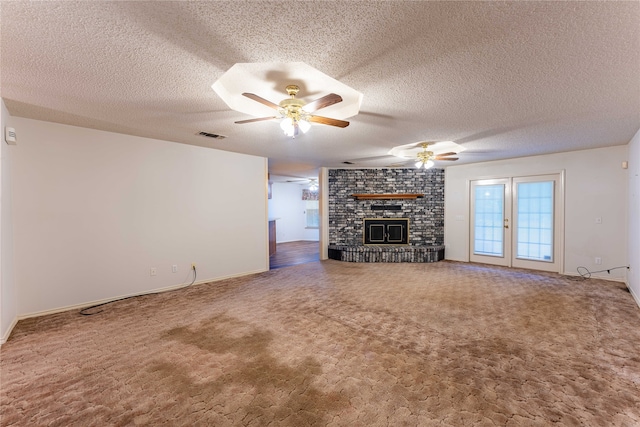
x=286, y=203
x=93, y=211
x=596, y=186
x=8, y=296
x=633, y=217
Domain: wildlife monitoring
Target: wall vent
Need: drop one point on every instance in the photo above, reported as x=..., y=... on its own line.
x=212, y=135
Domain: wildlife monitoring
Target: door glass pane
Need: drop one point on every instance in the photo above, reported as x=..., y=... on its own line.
x=376, y=233
x=535, y=221
x=489, y=218
x=395, y=233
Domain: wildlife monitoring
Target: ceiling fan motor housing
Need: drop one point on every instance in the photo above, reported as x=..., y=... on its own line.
x=292, y=108
x=425, y=155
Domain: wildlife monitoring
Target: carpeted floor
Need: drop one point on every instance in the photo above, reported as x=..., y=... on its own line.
x=338, y=344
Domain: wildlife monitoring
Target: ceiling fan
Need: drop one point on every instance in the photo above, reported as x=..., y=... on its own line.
x=425, y=158
x=295, y=113
x=312, y=182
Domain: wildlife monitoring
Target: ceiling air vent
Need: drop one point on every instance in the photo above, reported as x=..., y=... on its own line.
x=212, y=135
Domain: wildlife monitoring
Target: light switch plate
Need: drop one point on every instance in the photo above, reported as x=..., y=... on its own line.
x=10, y=136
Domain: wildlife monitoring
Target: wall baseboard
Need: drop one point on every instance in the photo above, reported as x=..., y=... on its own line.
x=106, y=300
x=566, y=273
x=607, y=278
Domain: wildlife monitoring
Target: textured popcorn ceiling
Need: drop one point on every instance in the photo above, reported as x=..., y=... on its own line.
x=502, y=79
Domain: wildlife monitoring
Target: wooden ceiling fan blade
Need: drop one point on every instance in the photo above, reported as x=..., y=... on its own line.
x=261, y=100
x=446, y=154
x=445, y=158
x=323, y=102
x=259, y=119
x=328, y=121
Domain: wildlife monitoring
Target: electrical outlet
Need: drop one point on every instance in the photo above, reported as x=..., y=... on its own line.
x=152, y=271
x=174, y=268
x=598, y=260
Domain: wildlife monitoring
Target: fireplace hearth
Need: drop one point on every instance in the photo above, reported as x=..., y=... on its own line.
x=386, y=253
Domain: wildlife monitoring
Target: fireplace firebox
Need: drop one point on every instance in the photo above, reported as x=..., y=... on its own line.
x=386, y=231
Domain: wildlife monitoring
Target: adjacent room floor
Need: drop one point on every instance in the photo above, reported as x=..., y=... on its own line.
x=293, y=253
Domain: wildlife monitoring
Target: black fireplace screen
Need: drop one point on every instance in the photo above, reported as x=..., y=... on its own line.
x=383, y=231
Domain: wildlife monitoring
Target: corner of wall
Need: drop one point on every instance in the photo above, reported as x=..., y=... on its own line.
x=635, y=296
x=633, y=212
x=8, y=299
x=7, y=333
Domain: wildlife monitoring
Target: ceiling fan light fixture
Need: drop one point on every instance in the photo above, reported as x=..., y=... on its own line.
x=287, y=125
x=293, y=127
x=422, y=164
x=304, y=126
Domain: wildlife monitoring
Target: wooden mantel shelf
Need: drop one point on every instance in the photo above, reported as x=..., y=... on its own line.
x=387, y=196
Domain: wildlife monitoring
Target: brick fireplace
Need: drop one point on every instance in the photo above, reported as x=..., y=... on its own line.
x=422, y=209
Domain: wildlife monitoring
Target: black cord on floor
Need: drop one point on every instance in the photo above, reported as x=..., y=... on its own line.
x=586, y=274
x=83, y=311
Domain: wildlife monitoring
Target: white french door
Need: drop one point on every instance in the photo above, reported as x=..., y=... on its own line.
x=518, y=222
x=490, y=213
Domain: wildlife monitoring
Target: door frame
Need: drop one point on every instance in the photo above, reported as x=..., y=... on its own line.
x=505, y=259
x=559, y=219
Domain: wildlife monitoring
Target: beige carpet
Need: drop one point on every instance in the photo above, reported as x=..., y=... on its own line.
x=338, y=344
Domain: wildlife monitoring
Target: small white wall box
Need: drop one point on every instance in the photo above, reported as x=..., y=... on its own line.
x=10, y=136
